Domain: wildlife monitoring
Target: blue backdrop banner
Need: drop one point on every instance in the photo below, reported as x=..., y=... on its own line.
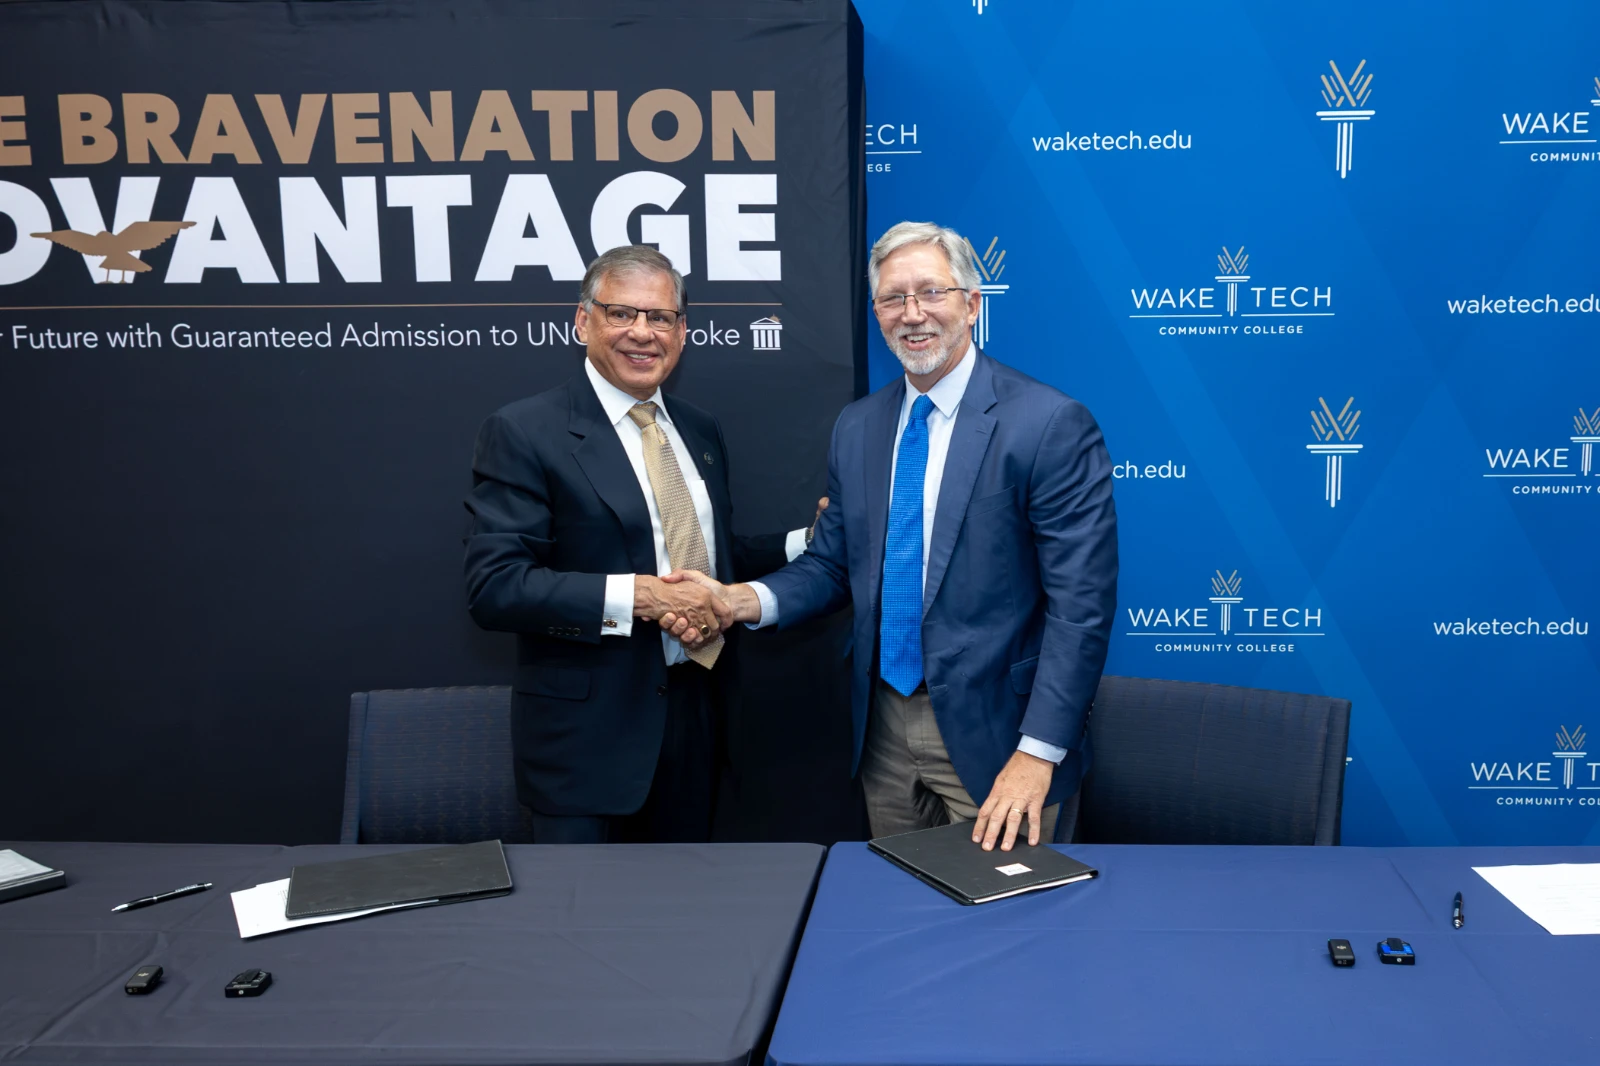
x=1326, y=273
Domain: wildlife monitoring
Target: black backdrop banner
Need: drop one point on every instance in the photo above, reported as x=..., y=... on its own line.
x=265, y=267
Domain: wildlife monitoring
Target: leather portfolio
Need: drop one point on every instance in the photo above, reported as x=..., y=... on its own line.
x=947, y=859
x=451, y=874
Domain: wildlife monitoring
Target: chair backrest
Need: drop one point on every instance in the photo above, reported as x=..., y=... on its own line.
x=1179, y=762
x=431, y=766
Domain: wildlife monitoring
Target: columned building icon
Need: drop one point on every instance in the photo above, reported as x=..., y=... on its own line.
x=766, y=334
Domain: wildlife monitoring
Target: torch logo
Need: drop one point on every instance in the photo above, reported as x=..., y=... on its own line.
x=1335, y=435
x=991, y=264
x=1226, y=594
x=1568, y=749
x=1587, y=432
x=1346, y=100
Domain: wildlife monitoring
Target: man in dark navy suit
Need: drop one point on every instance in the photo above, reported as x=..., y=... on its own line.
x=583, y=496
x=972, y=526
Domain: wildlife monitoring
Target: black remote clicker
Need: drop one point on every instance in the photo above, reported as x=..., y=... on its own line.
x=1341, y=953
x=143, y=980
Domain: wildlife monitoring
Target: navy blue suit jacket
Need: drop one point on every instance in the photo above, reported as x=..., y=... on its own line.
x=556, y=507
x=1021, y=584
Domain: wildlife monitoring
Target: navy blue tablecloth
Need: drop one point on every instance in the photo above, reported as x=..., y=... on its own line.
x=620, y=954
x=1184, y=956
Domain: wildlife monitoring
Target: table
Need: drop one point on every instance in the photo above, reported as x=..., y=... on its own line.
x=1181, y=956
x=601, y=954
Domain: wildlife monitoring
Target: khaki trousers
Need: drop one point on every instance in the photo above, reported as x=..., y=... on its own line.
x=907, y=776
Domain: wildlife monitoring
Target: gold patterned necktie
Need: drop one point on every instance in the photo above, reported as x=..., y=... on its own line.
x=686, y=544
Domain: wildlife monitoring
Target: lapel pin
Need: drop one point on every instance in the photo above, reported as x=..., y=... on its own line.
x=708, y=459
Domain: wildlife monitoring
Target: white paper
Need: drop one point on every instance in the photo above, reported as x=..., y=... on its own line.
x=14, y=867
x=1563, y=897
x=260, y=910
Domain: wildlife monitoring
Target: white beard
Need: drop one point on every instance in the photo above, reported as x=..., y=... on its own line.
x=924, y=362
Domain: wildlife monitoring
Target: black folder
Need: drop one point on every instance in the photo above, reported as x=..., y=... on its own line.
x=947, y=859
x=451, y=874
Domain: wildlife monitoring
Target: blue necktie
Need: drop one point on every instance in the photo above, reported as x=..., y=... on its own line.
x=900, y=626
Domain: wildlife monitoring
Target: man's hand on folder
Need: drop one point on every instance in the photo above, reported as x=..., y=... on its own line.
x=1020, y=789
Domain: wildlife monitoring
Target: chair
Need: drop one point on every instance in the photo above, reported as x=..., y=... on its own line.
x=1179, y=762
x=431, y=766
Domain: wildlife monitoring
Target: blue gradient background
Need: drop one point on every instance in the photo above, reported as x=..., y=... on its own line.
x=1434, y=207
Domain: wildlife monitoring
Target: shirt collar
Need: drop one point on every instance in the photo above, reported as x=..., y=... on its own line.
x=617, y=403
x=947, y=392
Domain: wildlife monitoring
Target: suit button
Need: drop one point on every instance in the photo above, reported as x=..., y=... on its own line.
x=661, y=690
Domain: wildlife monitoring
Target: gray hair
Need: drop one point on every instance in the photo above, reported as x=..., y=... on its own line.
x=630, y=259
x=954, y=246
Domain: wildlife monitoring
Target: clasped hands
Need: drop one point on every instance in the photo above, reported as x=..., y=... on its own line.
x=694, y=608
x=728, y=603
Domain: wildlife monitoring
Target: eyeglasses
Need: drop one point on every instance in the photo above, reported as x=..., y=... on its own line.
x=659, y=319
x=895, y=303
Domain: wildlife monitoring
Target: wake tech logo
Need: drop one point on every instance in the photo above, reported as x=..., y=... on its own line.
x=1196, y=628
x=1239, y=300
x=1519, y=783
x=1551, y=470
x=1552, y=136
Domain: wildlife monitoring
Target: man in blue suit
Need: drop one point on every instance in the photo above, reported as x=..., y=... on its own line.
x=971, y=525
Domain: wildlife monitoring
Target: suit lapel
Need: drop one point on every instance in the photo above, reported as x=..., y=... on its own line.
x=879, y=452
x=969, y=441
x=599, y=454
x=702, y=452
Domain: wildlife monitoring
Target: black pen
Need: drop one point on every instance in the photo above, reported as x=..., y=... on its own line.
x=135, y=904
x=1456, y=917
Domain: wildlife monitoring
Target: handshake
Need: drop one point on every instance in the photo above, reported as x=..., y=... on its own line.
x=694, y=608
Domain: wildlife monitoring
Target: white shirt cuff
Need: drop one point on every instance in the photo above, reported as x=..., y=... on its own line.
x=617, y=619
x=794, y=545
x=769, y=605
x=1039, y=749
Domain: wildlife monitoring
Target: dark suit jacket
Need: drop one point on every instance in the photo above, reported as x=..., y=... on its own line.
x=1021, y=584
x=556, y=507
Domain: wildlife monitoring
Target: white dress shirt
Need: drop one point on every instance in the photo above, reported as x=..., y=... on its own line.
x=946, y=395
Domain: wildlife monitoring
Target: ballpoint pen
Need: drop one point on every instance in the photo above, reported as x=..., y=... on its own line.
x=135, y=904
x=1456, y=916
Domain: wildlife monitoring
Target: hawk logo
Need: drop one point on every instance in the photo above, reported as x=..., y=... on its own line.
x=1335, y=435
x=116, y=251
x=1346, y=99
x=991, y=264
